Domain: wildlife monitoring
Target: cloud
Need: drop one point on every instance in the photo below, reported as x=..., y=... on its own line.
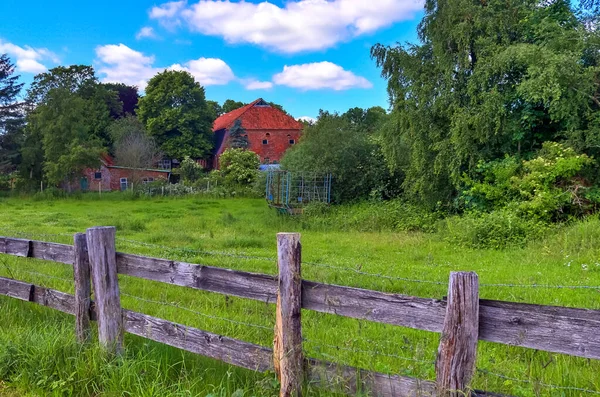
x=319, y=75
x=308, y=119
x=119, y=63
x=28, y=59
x=207, y=71
x=304, y=25
x=146, y=32
x=253, y=84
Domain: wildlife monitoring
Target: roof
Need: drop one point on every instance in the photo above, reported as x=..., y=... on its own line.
x=258, y=115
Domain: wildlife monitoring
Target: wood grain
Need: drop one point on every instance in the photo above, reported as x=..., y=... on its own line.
x=103, y=263
x=55, y=252
x=287, y=352
x=83, y=292
x=457, y=351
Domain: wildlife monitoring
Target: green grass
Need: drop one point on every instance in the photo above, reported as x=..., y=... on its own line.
x=43, y=359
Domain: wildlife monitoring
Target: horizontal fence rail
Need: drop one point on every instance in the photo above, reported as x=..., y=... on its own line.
x=555, y=329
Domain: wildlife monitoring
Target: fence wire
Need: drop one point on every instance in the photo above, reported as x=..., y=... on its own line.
x=177, y=306
x=538, y=383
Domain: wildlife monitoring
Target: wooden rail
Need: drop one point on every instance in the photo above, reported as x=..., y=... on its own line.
x=549, y=328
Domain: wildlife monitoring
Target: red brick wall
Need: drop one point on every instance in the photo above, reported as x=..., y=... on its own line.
x=278, y=143
x=111, y=177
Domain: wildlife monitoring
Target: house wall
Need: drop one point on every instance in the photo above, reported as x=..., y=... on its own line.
x=278, y=143
x=111, y=177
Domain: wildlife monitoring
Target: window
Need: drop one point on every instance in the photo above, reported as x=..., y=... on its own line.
x=123, y=183
x=292, y=141
x=97, y=175
x=164, y=164
x=147, y=180
x=265, y=141
x=266, y=160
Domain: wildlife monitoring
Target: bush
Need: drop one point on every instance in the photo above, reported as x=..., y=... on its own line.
x=497, y=229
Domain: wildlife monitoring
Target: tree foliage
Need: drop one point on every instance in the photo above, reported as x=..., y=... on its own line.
x=176, y=114
x=128, y=96
x=337, y=145
x=239, y=167
x=490, y=78
x=238, y=138
x=230, y=105
x=11, y=116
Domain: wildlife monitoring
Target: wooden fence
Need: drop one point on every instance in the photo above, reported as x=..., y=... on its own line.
x=462, y=319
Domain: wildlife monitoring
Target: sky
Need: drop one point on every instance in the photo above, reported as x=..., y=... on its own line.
x=305, y=55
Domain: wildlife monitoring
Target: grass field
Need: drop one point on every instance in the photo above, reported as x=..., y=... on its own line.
x=38, y=355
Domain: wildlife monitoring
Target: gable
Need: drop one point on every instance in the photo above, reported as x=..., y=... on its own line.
x=258, y=115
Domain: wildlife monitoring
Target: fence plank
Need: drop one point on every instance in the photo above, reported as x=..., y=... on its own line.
x=103, y=262
x=260, y=287
x=381, y=307
x=81, y=274
x=40, y=295
x=55, y=252
x=457, y=352
x=549, y=328
x=16, y=289
x=287, y=352
x=15, y=246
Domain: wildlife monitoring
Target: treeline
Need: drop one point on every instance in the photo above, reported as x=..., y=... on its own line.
x=67, y=119
x=494, y=112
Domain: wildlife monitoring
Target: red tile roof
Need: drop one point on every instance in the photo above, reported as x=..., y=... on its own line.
x=257, y=118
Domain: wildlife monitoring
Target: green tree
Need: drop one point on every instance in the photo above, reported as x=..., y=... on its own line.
x=176, y=114
x=68, y=147
x=230, y=105
x=334, y=144
x=128, y=96
x=11, y=116
x=488, y=79
x=238, y=138
x=216, y=109
x=74, y=78
x=190, y=170
x=239, y=167
x=129, y=124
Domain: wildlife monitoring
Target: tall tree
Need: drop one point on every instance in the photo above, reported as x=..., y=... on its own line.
x=216, y=109
x=238, y=138
x=74, y=78
x=11, y=116
x=230, y=105
x=128, y=96
x=68, y=147
x=176, y=114
x=488, y=79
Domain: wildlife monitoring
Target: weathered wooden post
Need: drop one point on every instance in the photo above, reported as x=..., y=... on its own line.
x=458, y=344
x=103, y=261
x=81, y=273
x=287, y=345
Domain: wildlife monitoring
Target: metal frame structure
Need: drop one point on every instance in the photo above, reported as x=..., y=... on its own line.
x=290, y=191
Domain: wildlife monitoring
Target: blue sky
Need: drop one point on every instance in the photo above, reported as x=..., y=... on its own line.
x=305, y=54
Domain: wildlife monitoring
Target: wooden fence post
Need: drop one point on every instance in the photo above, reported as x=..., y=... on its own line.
x=81, y=273
x=103, y=261
x=287, y=345
x=458, y=344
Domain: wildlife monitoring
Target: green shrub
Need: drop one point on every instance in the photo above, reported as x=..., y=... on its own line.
x=497, y=229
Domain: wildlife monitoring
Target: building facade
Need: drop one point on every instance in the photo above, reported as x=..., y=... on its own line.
x=270, y=131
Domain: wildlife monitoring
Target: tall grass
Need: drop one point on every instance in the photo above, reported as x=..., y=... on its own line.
x=202, y=230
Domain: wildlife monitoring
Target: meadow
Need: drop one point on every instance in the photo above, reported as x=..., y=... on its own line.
x=39, y=356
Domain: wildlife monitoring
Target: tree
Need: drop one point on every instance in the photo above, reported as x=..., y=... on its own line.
x=11, y=116
x=216, y=109
x=136, y=151
x=238, y=138
x=230, y=105
x=74, y=78
x=61, y=125
x=239, y=167
x=190, y=170
x=129, y=124
x=176, y=114
x=488, y=79
x=128, y=96
x=336, y=145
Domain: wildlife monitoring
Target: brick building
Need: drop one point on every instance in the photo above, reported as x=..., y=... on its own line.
x=112, y=177
x=270, y=131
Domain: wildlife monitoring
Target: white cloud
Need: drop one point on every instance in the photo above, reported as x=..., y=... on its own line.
x=119, y=63
x=252, y=84
x=319, y=75
x=146, y=32
x=308, y=119
x=28, y=59
x=207, y=71
x=298, y=26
